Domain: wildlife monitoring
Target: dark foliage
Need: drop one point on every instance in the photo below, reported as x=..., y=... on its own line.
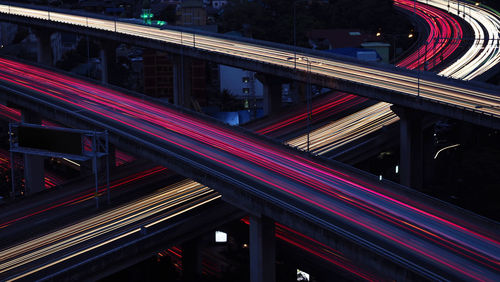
x=273, y=19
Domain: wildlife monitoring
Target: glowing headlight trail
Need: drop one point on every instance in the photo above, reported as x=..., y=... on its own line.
x=270, y=156
x=485, y=50
x=51, y=180
x=173, y=200
x=312, y=248
x=369, y=119
x=322, y=108
x=388, y=80
x=473, y=63
x=86, y=195
x=373, y=118
x=347, y=129
x=15, y=115
x=431, y=53
x=334, y=194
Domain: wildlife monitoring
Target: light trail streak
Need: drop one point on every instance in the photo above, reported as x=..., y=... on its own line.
x=147, y=211
x=341, y=132
x=322, y=108
x=443, y=40
x=15, y=115
x=389, y=80
x=485, y=51
x=335, y=194
x=50, y=180
x=86, y=195
x=347, y=129
x=434, y=237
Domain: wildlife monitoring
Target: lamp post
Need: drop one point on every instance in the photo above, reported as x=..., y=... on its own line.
x=294, y=36
x=308, y=98
x=294, y=8
x=308, y=93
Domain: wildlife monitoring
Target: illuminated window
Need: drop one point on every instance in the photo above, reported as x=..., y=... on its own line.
x=220, y=237
x=246, y=90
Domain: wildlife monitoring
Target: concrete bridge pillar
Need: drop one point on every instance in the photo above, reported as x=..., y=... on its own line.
x=104, y=65
x=34, y=178
x=191, y=260
x=272, y=93
x=411, y=147
x=262, y=250
x=295, y=92
x=111, y=155
x=182, y=72
x=44, y=48
x=107, y=54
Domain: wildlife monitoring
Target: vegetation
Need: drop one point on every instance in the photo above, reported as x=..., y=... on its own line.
x=273, y=19
x=79, y=55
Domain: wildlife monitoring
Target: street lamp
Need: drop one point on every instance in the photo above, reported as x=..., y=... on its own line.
x=294, y=7
x=308, y=92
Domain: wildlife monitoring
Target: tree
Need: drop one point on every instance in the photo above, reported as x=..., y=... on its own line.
x=273, y=19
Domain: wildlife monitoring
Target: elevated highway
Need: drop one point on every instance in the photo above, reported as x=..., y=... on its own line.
x=339, y=205
x=473, y=102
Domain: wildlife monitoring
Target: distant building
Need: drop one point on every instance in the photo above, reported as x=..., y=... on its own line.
x=158, y=66
x=338, y=38
x=111, y=7
x=191, y=13
x=349, y=42
x=381, y=48
x=240, y=83
x=158, y=75
x=358, y=53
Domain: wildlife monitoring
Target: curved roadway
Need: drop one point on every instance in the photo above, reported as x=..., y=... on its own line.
x=331, y=197
x=375, y=76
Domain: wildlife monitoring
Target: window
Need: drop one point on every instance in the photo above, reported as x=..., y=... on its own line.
x=245, y=79
x=246, y=90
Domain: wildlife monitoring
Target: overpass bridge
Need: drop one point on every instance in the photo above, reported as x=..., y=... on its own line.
x=326, y=201
x=474, y=102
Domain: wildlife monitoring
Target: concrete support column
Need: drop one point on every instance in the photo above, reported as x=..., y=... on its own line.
x=44, y=48
x=107, y=54
x=33, y=165
x=295, y=92
x=262, y=250
x=112, y=155
x=411, y=147
x=182, y=80
x=33, y=174
x=104, y=65
x=272, y=93
x=191, y=260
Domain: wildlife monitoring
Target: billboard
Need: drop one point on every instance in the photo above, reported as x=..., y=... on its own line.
x=52, y=140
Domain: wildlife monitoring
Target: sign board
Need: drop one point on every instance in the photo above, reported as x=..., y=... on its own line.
x=50, y=140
